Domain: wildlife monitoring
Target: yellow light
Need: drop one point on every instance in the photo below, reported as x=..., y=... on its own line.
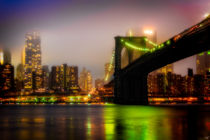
x=130, y=33
x=206, y=15
x=148, y=32
x=1, y=58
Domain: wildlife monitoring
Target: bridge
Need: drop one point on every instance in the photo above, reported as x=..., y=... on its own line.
x=130, y=81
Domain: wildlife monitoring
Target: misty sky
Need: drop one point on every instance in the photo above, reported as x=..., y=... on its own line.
x=81, y=32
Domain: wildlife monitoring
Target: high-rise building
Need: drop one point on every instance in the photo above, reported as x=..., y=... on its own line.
x=203, y=63
x=6, y=78
x=64, y=78
x=85, y=80
x=31, y=59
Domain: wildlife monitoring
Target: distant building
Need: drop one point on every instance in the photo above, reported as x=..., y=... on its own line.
x=203, y=63
x=6, y=78
x=99, y=83
x=64, y=78
x=45, y=77
x=190, y=72
x=20, y=77
x=31, y=59
x=85, y=80
x=5, y=56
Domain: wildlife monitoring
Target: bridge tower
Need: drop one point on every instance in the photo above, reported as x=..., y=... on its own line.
x=129, y=88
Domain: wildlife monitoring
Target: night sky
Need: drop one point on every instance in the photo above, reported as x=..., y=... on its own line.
x=81, y=32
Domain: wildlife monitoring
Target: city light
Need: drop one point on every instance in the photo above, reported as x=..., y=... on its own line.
x=206, y=15
x=130, y=33
x=148, y=32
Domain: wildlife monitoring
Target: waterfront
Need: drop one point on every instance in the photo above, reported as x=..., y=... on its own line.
x=83, y=121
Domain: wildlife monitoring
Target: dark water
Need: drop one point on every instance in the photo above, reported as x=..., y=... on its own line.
x=98, y=122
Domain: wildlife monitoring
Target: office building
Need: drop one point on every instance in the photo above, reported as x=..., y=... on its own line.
x=31, y=60
x=85, y=80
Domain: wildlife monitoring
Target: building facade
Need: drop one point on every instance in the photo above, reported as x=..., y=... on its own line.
x=64, y=78
x=203, y=63
x=31, y=60
x=6, y=78
x=85, y=80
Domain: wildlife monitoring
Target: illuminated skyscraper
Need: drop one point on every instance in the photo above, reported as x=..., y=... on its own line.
x=31, y=59
x=203, y=63
x=85, y=80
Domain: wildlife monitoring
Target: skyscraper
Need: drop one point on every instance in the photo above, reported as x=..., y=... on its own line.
x=85, y=80
x=31, y=59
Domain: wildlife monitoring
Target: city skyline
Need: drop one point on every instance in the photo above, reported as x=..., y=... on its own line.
x=63, y=27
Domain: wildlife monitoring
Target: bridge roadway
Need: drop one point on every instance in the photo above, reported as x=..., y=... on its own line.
x=131, y=81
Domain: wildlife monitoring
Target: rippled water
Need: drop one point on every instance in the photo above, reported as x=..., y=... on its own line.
x=98, y=122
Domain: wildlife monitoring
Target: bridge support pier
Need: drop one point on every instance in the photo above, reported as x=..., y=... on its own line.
x=133, y=90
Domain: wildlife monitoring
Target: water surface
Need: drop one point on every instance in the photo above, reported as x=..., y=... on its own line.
x=104, y=122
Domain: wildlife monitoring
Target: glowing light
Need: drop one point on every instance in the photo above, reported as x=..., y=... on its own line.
x=148, y=32
x=208, y=52
x=130, y=33
x=136, y=47
x=152, y=43
x=168, y=42
x=1, y=58
x=206, y=15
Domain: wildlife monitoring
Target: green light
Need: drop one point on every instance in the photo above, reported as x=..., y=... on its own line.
x=168, y=42
x=152, y=43
x=201, y=54
x=208, y=52
x=121, y=40
x=135, y=47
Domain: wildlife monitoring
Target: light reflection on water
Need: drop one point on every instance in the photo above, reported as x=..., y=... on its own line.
x=106, y=122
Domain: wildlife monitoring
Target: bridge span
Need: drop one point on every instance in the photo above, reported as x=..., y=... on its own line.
x=131, y=81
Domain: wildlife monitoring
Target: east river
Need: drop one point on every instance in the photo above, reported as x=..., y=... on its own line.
x=104, y=122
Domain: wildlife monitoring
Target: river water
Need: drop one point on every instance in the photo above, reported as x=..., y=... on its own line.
x=104, y=122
